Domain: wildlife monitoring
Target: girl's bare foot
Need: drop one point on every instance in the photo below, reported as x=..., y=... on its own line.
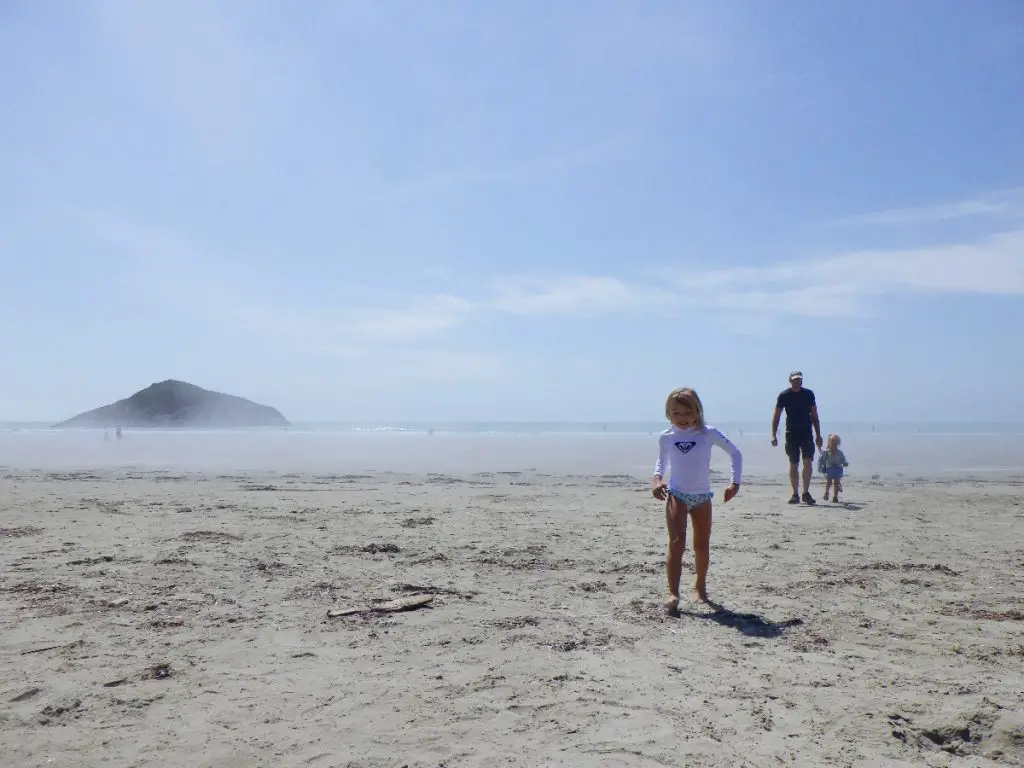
x=702, y=592
x=672, y=605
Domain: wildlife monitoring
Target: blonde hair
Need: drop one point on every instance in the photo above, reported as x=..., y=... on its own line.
x=832, y=436
x=688, y=397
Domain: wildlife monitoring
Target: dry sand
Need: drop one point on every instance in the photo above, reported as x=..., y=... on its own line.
x=158, y=620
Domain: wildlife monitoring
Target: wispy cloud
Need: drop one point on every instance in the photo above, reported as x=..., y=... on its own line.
x=1007, y=203
x=416, y=329
x=584, y=295
x=991, y=265
x=527, y=171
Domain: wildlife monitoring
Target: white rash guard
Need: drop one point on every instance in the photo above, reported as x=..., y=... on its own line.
x=685, y=455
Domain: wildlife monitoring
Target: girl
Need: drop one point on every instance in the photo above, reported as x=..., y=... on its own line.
x=831, y=466
x=684, y=450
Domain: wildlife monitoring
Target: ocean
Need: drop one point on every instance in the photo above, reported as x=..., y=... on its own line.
x=906, y=450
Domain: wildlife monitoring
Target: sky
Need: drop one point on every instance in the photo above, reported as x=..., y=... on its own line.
x=455, y=210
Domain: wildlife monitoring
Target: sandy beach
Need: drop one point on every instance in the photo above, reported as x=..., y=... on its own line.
x=160, y=619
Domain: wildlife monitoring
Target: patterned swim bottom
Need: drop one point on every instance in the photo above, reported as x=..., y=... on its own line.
x=691, y=500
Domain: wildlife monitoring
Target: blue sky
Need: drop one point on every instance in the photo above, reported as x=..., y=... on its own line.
x=466, y=210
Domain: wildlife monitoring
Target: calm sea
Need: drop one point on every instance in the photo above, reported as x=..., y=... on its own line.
x=889, y=450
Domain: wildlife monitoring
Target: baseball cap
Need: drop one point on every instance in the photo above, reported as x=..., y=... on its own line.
x=796, y=375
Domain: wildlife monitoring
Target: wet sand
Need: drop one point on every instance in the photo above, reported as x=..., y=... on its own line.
x=157, y=619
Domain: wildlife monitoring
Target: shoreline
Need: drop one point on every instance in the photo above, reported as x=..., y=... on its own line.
x=417, y=453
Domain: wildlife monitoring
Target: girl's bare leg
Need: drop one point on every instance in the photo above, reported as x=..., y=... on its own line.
x=675, y=521
x=701, y=517
x=828, y=485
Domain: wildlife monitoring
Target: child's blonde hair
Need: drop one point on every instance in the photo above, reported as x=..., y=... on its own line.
x=832, y=437
x=688, y=397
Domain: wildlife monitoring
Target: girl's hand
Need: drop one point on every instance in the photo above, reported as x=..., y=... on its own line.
x=731, y=491
x=660, y=491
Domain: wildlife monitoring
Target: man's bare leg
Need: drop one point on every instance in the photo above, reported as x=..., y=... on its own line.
x=808, y=469
x=793, y=477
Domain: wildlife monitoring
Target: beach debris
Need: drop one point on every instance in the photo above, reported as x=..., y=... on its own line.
x=115, y=683
x=984, y=614
x=423, y=589
x=160, y=671
x=515, y=622
x=386, y=548
x=92, y=560
x=391, y=606
x=26, y=695
x=270, y=568
x=373, y=548
x=66, y=708
x=51, y=648
x=437, y=557
x=213, y=537
x=886, y=565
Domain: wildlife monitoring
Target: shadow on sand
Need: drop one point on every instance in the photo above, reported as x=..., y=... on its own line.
x=750, y=624
x=844, y=505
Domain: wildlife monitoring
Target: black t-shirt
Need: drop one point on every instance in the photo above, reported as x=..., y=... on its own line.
x=797, y=404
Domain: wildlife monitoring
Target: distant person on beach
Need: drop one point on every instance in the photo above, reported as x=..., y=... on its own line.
x=831, y=464
x=117, y=433
x=801, y=415
x=684, y=454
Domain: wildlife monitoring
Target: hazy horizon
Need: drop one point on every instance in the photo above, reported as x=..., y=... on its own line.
x=471, y=425
x=335, y=453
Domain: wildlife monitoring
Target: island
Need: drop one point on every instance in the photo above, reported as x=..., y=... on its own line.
x=179, y=404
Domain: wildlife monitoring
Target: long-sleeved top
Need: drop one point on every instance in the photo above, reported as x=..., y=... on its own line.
x=833, y=459
x=685, y=456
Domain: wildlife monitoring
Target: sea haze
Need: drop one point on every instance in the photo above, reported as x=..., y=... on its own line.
x=908, y=450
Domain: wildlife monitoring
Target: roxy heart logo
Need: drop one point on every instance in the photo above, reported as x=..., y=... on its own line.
x=685, y=446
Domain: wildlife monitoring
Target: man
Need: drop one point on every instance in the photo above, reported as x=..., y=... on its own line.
x=801, y=415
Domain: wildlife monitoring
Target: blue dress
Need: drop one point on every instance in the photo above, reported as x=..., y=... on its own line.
x=831, y=464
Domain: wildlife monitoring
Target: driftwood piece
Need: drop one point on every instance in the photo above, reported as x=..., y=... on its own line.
x=392, y=606
x=50, y=648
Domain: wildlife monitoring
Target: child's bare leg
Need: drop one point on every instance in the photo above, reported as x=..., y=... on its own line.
x=839, y=488
x=701, y=516
x=675, y=521
x=828, y=485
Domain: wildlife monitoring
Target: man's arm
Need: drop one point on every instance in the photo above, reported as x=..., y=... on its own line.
x=776, y=415
x=816, y=424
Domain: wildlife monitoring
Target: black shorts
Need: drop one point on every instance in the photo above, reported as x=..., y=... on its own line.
x=797, y=444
